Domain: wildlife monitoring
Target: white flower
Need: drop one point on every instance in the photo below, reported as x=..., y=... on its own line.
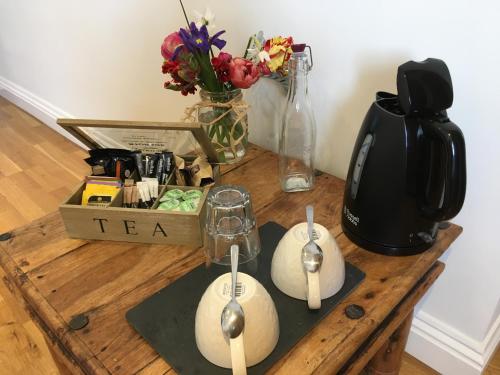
x=252, y=54
x=264, y=56
x=207, y=19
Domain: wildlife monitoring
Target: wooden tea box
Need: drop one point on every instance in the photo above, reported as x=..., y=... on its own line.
x=115, y=223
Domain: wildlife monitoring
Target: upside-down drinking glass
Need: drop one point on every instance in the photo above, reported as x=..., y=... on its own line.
x=230, y=220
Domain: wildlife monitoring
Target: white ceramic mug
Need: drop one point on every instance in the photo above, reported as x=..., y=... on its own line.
x=261, y=331
x=289, y=275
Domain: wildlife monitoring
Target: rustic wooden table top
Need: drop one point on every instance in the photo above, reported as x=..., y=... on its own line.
x=59, y=277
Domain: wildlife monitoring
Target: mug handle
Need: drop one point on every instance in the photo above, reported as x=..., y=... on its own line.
x=313, y=291
x=238, y=362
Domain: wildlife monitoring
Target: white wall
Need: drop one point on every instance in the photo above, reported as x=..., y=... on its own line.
x=101, y=59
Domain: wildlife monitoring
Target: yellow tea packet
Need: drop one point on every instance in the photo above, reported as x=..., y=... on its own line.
x=98, y=195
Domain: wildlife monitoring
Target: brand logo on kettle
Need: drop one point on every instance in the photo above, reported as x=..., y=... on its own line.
x=348, y=214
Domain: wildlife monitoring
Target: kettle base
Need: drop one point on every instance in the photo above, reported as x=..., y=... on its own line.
x=386, y=249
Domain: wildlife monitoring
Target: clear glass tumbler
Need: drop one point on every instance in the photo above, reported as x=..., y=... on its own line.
x=230, y=220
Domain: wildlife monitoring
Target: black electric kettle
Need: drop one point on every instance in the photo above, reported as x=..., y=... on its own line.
x=407, y=170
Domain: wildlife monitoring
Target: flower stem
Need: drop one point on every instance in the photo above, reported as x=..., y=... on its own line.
x=211, y=130
x=207, y=74
x=248, y=46
x=220, y=138
x=185, y=15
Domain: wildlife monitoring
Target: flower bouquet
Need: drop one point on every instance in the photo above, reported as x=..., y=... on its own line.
x=190, y=61
x=271, y=55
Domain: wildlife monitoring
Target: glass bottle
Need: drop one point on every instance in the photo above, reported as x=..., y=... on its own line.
x=298, y=128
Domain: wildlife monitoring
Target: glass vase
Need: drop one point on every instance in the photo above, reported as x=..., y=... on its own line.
x=223, y=116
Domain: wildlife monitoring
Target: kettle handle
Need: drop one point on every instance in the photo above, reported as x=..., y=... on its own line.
x=453, y=144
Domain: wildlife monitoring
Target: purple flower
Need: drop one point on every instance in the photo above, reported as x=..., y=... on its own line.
x=219, y=43
x=196, y=39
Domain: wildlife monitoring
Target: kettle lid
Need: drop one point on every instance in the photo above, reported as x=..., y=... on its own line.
x=424, y=86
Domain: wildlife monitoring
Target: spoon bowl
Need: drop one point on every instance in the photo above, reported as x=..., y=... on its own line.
x=232, y=320
x=312, y=255
x=312, y=259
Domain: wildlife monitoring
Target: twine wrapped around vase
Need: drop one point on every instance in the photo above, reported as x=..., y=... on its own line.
x=236, y=105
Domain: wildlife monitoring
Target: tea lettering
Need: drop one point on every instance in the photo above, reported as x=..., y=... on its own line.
x=101, y=224
x=158, y=228
x=129, y=227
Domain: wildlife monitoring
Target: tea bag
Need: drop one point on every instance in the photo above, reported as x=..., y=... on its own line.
x=180, y=164
x=127, y=193
x=201, y=172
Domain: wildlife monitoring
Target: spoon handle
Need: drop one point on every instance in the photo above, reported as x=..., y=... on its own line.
x=310, y=221
x=234, y=269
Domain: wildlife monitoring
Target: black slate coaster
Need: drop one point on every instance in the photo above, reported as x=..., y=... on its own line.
x=166, y=319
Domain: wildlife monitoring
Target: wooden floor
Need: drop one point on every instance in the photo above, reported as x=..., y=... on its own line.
x=38, y=169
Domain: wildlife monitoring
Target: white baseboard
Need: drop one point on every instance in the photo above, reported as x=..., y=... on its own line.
x=491, y=341
x=36, y=106
x=448, y=350
x=433, y=342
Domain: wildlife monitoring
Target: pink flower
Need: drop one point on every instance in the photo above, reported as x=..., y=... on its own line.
x=243, y=73
x=169, y=45
x=221, y=66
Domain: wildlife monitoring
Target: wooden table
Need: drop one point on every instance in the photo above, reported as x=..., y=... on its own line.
x=57, y=278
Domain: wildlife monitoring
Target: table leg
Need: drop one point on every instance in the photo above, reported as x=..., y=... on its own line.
x=61, y=365
x=387, y=361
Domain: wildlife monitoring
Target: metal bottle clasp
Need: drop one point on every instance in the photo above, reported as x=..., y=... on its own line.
x=310, y=56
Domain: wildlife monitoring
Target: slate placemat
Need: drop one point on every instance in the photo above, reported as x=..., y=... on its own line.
x=166, y=319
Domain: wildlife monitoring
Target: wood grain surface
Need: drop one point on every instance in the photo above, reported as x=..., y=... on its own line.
x=38, y=169
x=61, y=277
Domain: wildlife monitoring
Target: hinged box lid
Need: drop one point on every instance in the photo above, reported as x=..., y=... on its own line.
x=148, y=136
